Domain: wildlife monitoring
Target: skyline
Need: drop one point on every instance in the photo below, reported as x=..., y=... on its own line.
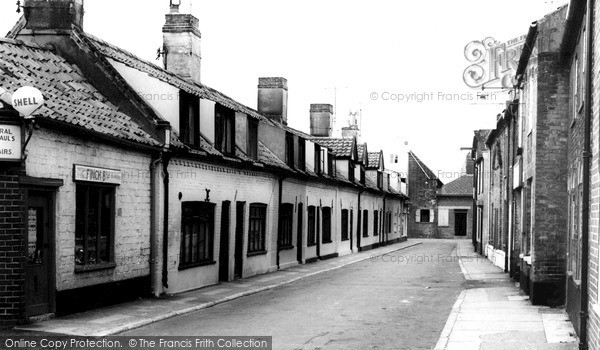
x=343, y=55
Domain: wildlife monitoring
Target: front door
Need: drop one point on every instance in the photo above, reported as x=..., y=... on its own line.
x=239, y=240
x=39, y=254
x=224, y=246
x=460, y=223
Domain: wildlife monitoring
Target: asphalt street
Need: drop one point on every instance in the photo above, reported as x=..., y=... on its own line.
x=397, y=301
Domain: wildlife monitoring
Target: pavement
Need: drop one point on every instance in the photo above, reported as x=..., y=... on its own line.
x=131, y=315
x=494, y=313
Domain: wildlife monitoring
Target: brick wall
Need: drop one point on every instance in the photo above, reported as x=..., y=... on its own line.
x=594, y=319
x=550, y=149
x=12, y=245
x=422, y=194
x=451, y=204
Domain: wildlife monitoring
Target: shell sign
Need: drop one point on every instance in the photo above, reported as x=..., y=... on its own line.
x=26, y=100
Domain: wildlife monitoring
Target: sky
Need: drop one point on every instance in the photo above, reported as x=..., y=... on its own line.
x=399, y=63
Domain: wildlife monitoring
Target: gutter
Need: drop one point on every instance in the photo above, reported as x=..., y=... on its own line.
x=280, y=199
x=572, y=28
x=585, y=255
x=527, y=49
x=154, y=252
x=359, y=222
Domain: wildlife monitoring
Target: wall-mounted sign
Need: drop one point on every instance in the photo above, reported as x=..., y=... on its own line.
x=10, y=142
x=517, y=176
x=100, y=175
x=27, y=100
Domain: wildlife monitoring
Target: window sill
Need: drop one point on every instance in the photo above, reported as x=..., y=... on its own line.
x=286, y=247
x=197, y=264
x=345, y=239
x=311, y=244
x=262, y=252
x=95, y=267
x=327, y=242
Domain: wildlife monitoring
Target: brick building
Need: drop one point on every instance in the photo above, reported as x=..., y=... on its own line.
x=140, y=180
x=551, y=178
x=543, y=84
x=455, y=208
x=481, y=182
x=422, y=186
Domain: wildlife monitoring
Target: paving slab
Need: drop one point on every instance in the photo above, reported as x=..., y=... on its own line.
x=493, y=313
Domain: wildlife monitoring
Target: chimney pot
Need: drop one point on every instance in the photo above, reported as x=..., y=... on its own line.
x=53, y=14
x=273, y=98
x=181, y=44
x=320, y=119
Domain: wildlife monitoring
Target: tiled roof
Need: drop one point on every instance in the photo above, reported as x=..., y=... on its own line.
x=69, y=96
x=463, y=186
x=341, y=147
x=162, y=74
x=297, y=132
x=361, y=151
x=267, y=157
x=374, y=158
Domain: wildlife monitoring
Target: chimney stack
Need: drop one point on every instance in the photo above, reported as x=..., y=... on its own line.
x=273, y=98
x=181, y=45
x=320, y=119
x=53, y=14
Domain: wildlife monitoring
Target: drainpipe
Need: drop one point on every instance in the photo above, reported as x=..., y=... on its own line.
x=359, y=223
x=383, y=219
x=154, y=252
x=586, y=177
x=165, y=273
x=279, y=219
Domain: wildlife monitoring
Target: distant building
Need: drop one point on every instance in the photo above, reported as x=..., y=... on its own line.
x=422, y=187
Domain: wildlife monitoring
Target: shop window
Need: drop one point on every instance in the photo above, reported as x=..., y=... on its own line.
x=95, y=221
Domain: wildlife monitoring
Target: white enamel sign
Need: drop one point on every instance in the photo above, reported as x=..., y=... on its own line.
x=27, y=100
x=10, y=142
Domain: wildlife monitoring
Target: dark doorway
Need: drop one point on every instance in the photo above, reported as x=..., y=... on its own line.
x=224, y=246
x=39, y=293
x=460, y=223
x=351, y=229
x=299, y=243
x=239, y=240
